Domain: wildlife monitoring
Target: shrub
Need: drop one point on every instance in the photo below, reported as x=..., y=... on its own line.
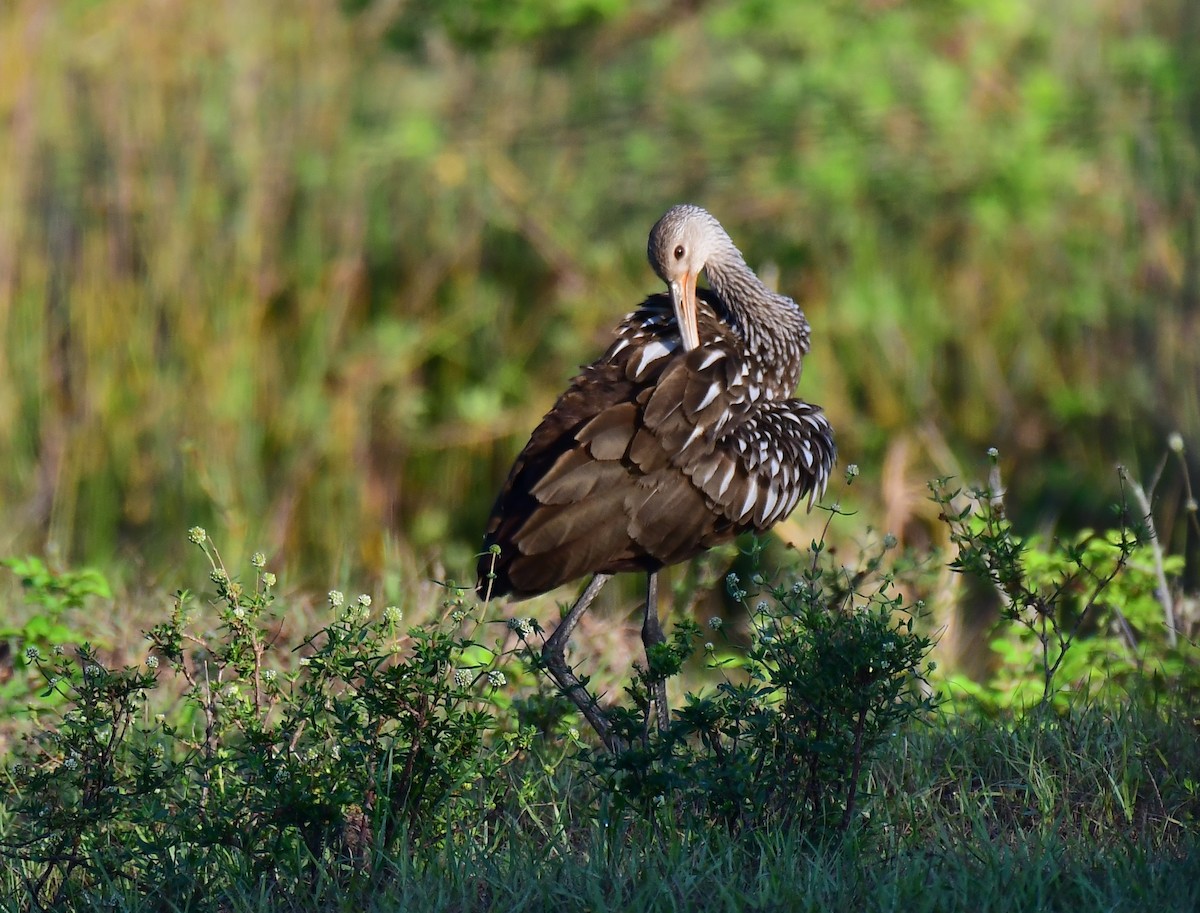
x=786, y=738
x=1084, y=614
x=376, y=738
x=56, y=594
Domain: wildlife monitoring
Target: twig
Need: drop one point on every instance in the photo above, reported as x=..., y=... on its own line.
x=856, y=771
x=1162, y=591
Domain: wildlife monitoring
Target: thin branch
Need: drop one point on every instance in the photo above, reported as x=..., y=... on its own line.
x=1162, y=591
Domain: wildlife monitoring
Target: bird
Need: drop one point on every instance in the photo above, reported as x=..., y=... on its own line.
x=684, y=434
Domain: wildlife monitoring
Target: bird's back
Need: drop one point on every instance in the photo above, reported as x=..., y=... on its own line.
x=651, y=456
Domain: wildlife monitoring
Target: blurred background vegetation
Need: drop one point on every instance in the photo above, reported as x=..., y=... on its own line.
x=307, y=272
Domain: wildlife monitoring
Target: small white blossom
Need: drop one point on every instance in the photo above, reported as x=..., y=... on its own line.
x=152, y=662
x=197, y=535
x=258, y=560
x=31, y=654
x=71, y=763
x=364, y=600
x=1175, y=442
x=851, y=472
x=218, y=576
x=496, y=679
x=762, y=606
x=269, y=579
x=708, y=647
x=522, y=626
x=58, y=650
x=461, y=678
x=715, y=622
x=336, y=598
x=239, y=613
x=393, y=615
x=993, y=453
x=269, y=675
x=232, y=691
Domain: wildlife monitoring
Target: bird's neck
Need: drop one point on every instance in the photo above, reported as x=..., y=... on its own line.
x=772, y=326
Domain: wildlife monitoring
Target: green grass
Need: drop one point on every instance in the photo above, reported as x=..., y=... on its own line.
x=277, y=777
x=1092, y=810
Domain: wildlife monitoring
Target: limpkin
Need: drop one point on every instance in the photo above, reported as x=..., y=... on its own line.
x=681, y=436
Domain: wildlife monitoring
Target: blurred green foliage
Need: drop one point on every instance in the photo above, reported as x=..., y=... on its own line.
x=52, y=597
x=310, y=271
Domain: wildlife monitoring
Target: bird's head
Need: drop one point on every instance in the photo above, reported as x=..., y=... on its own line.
x=681, y=244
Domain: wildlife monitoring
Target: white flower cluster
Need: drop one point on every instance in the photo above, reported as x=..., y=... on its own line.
x=523, y=626
x=733, y=586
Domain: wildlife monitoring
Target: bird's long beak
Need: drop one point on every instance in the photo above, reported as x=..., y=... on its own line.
x=683, y=299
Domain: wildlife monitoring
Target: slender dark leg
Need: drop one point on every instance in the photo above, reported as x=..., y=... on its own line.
x=556, y=664
x=652, y=633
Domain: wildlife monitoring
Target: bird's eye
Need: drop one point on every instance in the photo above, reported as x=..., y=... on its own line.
x=679, y=252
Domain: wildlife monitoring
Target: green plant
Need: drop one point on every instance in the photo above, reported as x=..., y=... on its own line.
x=1082, y=614
x=377, y=738
x=786, y=738
x=55, y=594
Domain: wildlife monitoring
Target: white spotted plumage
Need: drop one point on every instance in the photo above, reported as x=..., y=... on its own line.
x=656, y=417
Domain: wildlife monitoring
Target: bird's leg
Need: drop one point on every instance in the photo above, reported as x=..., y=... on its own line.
x=652, y=633
x=556, y=664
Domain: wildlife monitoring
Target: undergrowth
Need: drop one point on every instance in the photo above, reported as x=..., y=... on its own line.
x=231, y=767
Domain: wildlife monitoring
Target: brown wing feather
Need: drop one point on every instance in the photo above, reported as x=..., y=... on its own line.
x=652, y=455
